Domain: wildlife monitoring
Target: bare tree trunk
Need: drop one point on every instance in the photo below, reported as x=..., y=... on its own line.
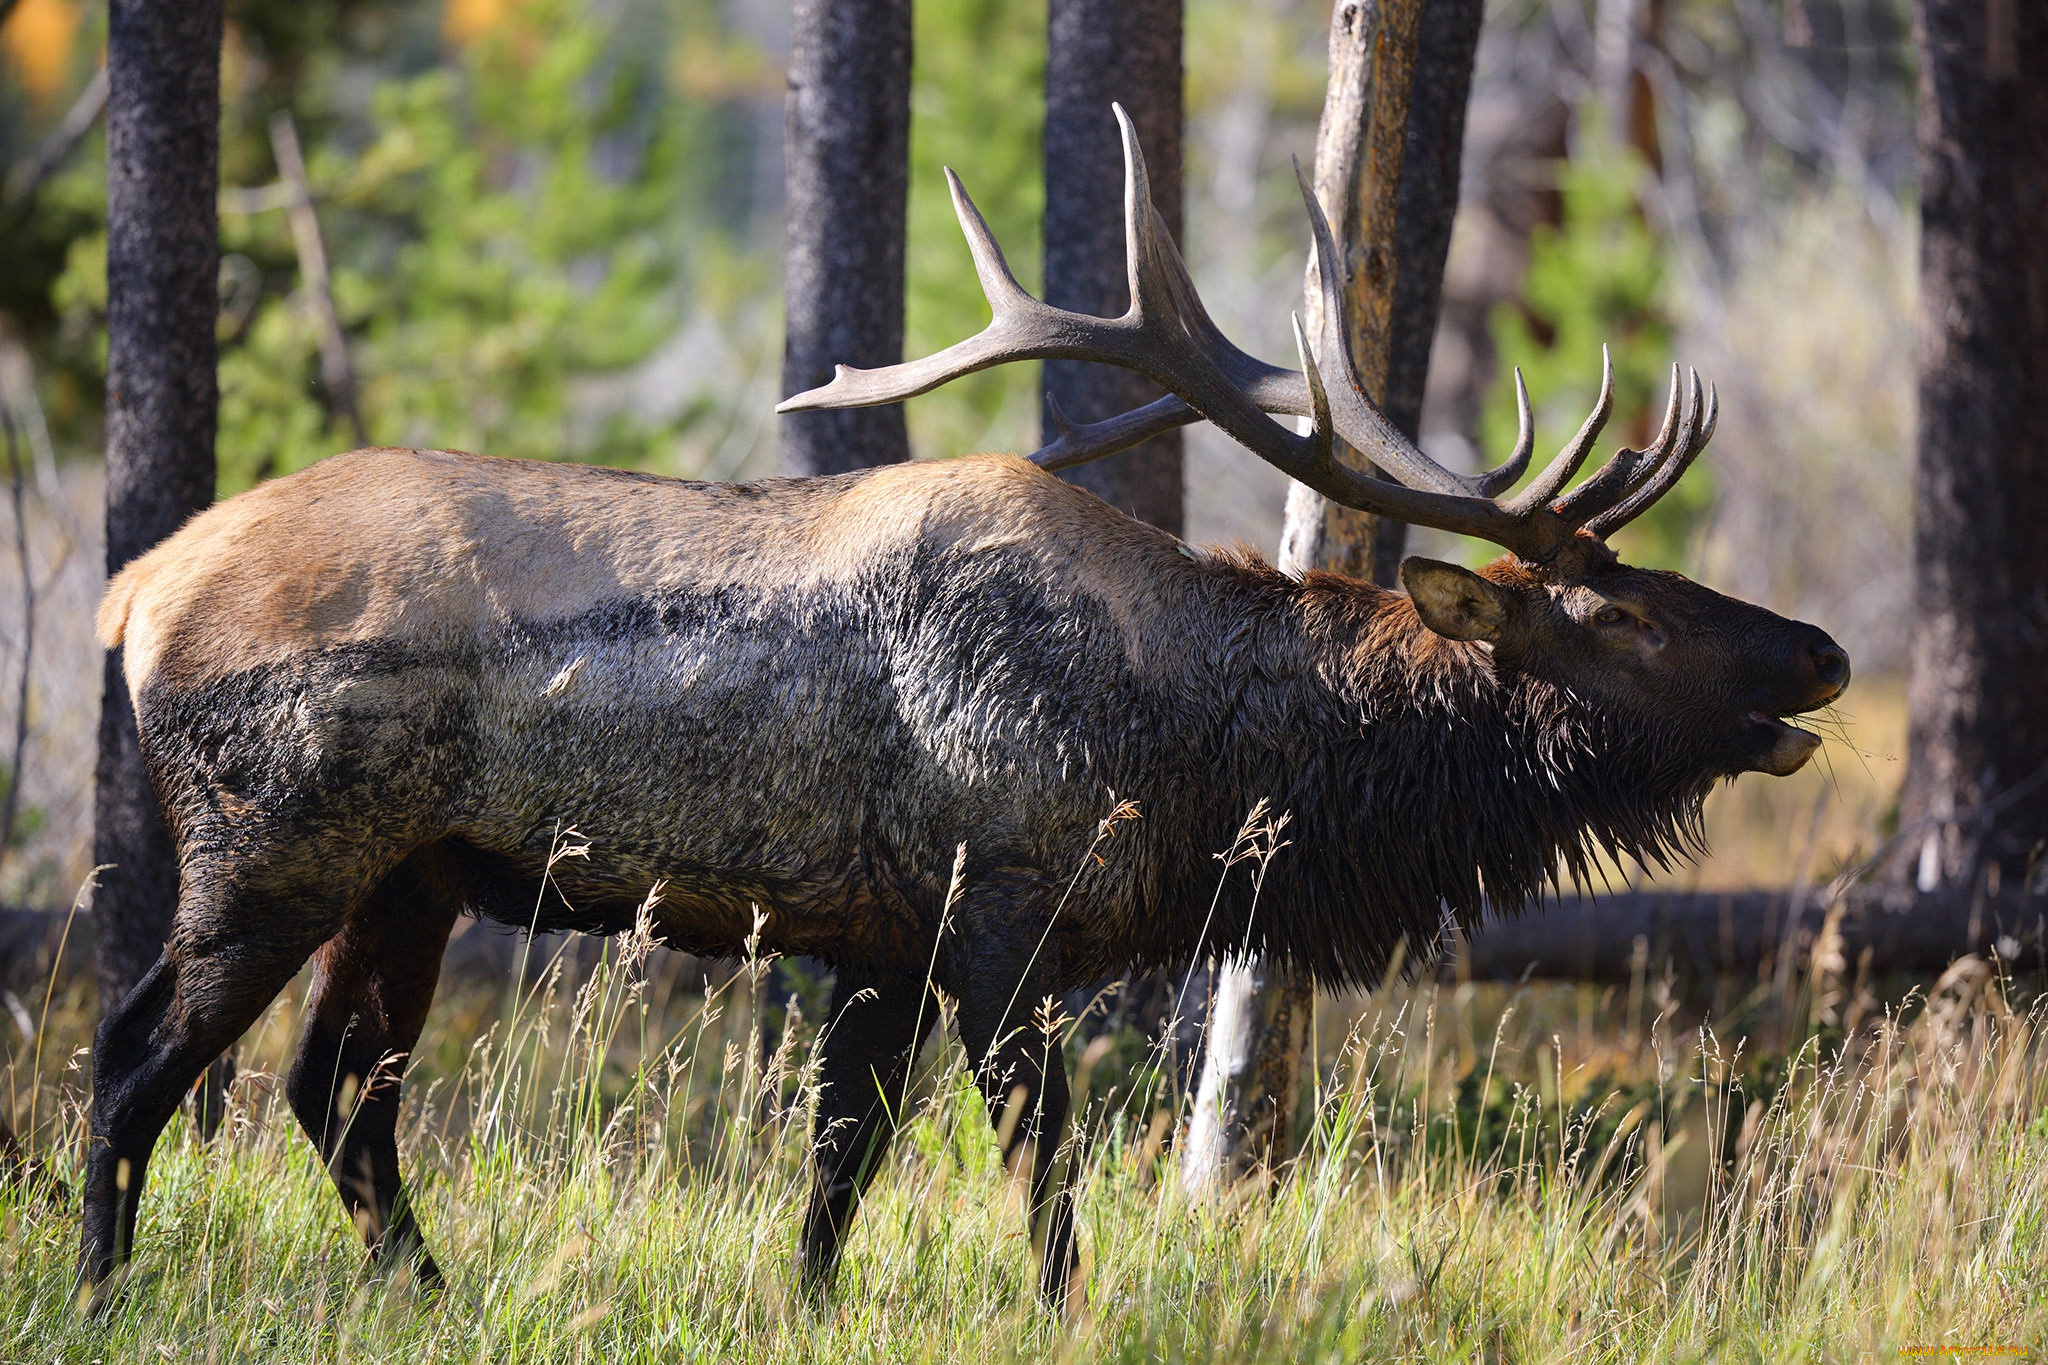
x=847, y=147
x=1098, y=51
x=849, y=165
x=1387, y=162
x=1243, y=1118
x=1975, y=805
x=163, y=265
x=1127, y=52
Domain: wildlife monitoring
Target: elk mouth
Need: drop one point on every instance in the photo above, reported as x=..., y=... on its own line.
x=1779, y=747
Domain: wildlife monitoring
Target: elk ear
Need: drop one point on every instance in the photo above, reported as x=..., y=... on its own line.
x=1456, y=603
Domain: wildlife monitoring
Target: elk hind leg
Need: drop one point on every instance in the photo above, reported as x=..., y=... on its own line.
x=372, y=985
x=208, y=986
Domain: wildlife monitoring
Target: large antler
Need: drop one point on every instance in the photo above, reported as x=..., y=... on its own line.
x=1168, y=336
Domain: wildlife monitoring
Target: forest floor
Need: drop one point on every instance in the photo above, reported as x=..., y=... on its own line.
x=610, y=1166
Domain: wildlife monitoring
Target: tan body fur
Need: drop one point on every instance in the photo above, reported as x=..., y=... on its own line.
x=408, y=544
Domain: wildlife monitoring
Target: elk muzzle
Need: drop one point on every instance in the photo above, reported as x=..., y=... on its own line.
x=1815, y=675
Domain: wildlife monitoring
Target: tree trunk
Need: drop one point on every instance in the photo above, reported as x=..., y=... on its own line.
x=1127, y=52
x=163, y=267
x=1387, y=164
x=1975, y=806
x=1098, y=51
x=848, y=140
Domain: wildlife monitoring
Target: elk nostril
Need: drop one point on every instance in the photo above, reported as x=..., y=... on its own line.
x=1831, y=664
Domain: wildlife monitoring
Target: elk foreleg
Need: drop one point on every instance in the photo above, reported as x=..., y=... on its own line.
x=372, y=985
x=1009, y=1026
x=868, y=1045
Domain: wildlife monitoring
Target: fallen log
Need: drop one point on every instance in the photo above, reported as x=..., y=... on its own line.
x=1615, y=937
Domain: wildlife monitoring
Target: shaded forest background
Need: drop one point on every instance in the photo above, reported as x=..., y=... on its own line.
x=553, y=230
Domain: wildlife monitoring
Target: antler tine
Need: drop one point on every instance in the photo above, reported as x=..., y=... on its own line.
x=1163, y=292
x=1667, y=475
x=1625, y=471
x=1165, y=297
x=1008, y=336
x=1503, y=475
x=1272, y=387
x=1151, y=297
x=1358, y=418
x=1080, y=442
x=998, y=283
x=1318, y=437
x=1566, y=462
x=1666, y=451
x=1314, y=463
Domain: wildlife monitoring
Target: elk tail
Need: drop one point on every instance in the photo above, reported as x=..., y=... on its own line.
x=112, y=622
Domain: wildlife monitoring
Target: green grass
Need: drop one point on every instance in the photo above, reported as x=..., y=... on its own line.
x=613, y=1169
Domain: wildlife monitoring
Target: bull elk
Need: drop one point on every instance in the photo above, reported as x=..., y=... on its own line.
x=370, y=692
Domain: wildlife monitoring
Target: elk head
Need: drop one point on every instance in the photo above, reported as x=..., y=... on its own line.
x=1559, y=605
x=1647, y=643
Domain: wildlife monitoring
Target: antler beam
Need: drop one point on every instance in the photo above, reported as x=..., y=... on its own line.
x=1167, y=335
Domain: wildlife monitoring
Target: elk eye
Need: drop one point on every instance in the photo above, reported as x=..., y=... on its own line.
x=1610, y=616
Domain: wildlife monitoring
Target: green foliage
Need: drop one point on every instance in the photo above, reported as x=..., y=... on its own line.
x=66, y=216
x=1492, y=1119
x=1595, y=278
x=977, y=105
x=507, y=224
x=512, y=223
x=53, y=293
x=484, y=261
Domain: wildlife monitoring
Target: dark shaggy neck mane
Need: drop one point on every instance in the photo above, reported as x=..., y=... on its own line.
x=1425, y=776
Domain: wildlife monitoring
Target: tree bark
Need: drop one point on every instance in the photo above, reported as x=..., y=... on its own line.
x=1387, y=164
x=1098, y=51
x=848, y=137
x=163, y=267
x=1975, y=806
